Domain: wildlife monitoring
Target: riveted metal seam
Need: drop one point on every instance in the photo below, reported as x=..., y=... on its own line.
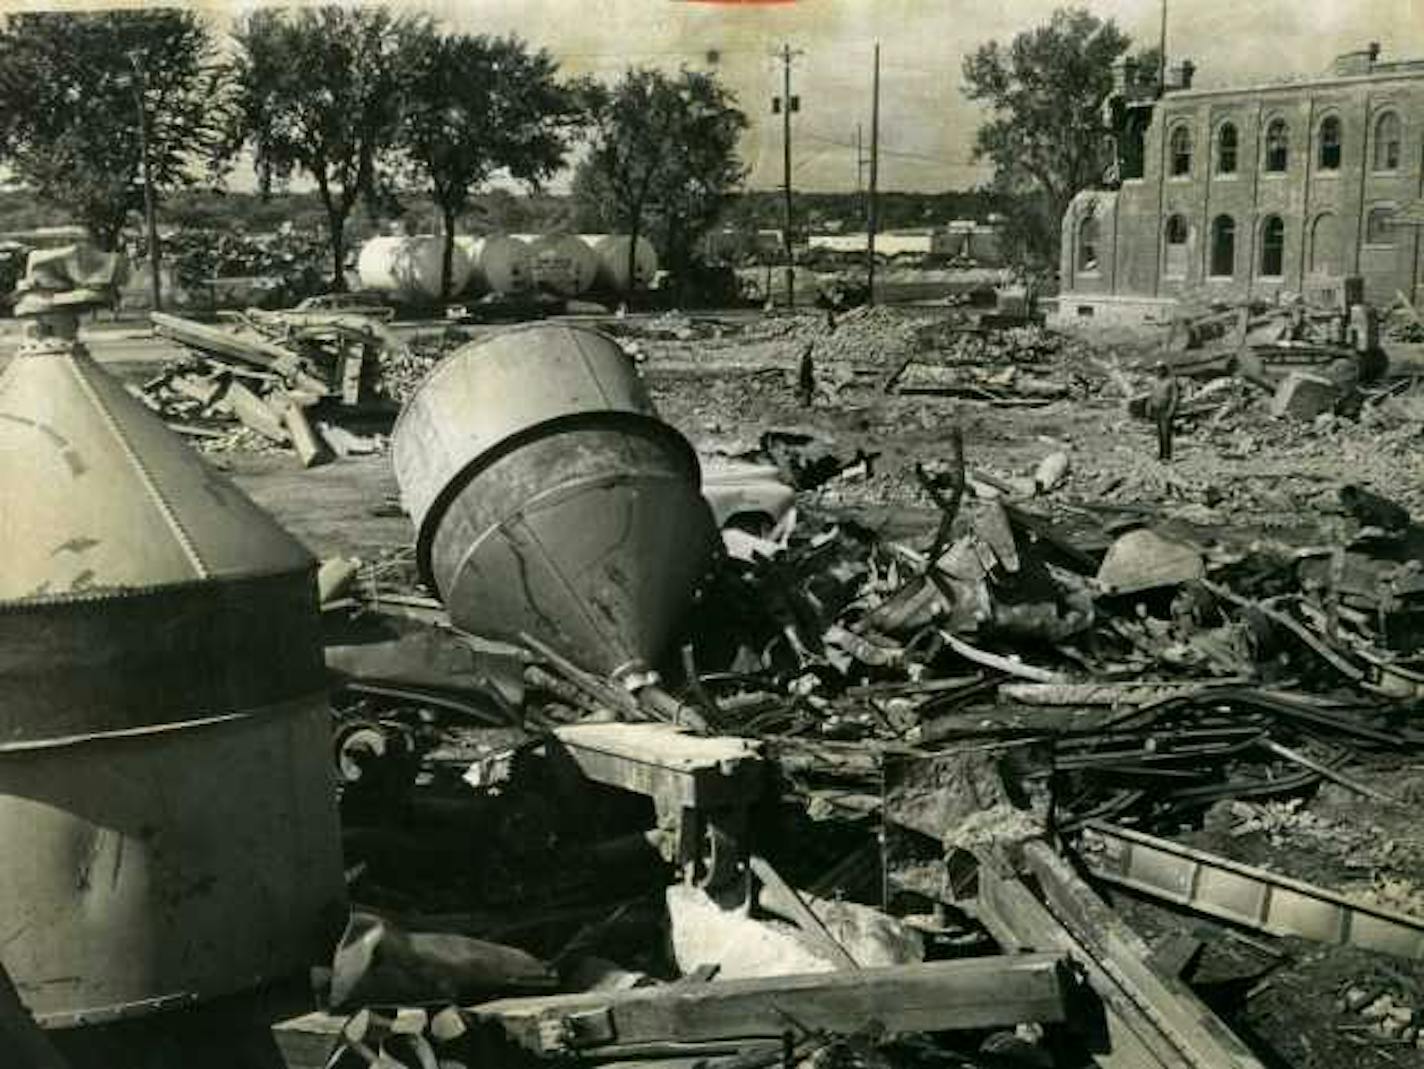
x=164, y=508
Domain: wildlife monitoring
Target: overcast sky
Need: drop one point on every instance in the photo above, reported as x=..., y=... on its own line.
x=926, y=125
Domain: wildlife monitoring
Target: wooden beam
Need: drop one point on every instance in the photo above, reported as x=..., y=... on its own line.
x=970, y=993
x=789, y=902
x=1193, y=1029
x=1125, y=1036
x=666, y=763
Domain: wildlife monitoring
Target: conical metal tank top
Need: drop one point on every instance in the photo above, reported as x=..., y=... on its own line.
x=112, y=500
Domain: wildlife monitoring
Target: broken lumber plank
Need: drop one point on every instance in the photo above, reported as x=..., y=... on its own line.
x=1010, y=666
x=665, y=763
x=912, y=688
x=1196, y=1032
x=1128, y=1036
x=1314, y=642
x=1110, y=693
x=254, y=413
x=1244, y=894
x=193, y=430
x=197, y=388
x=246, y=348
x=310, y=447
x=965, y=994
x=1334, y=776
x=789, y=902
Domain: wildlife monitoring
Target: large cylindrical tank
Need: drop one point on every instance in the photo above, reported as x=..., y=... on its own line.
x=549, y=499
x=498, y=263
x=612, y=252
x=408, y=268
x=563, y=264
x=166, y=800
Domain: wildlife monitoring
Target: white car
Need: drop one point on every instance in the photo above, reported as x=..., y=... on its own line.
x=750, y=497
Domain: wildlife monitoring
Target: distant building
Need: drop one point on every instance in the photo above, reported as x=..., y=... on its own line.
x=1235, y=193
x=962, y=238
x=966, y=238
x=732, y=245
x=887, y=242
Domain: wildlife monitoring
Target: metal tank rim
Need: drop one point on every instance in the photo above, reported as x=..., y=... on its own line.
x=632, y=421
x=442, y=366
x=105, y=593
x=167, y=727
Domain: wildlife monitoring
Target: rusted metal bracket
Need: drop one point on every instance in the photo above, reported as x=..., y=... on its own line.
x=1243, y=894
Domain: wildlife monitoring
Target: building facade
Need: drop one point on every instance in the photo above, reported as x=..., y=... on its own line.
x=1242, y=193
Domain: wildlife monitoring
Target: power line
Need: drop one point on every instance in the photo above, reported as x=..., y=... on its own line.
x=884, y=151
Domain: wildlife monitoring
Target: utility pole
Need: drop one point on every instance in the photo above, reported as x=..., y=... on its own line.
x=859, y=163
x=1162, y=51
x=874, y=179
x=787, y=103
x=140, y=87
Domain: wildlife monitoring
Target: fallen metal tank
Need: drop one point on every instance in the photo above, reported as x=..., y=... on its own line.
x=612, y=253
x=549, y=499
x=498, y=264
x=563, y=264
x=409, y=267
x=166, y=802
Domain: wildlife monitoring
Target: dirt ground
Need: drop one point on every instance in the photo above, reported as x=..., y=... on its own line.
x=1236, y=475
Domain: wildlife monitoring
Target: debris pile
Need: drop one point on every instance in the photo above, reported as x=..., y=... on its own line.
x=836, y=791
x=279, y=378
x=906, y=727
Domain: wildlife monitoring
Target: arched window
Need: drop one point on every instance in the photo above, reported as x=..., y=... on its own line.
x=1223, y=246
x=1088, y=244
x=1175, y=265
x=1329, y=157
x=1132, y=147
x=1180, y=150
x=1277, y=146
x=1226, y=149
x=1387, y=142
x=1379, y=225
x=1273, y=247
x=1325, y=246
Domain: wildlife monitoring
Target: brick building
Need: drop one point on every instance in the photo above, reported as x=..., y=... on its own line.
x=1230, y=193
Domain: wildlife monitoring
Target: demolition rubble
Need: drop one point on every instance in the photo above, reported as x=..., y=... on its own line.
x=704, y=716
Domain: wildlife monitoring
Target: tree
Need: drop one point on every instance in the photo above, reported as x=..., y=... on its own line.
x=69, y=114
x=480, y=105
x=1045, y=91
x=663, y=158
x=320, y=91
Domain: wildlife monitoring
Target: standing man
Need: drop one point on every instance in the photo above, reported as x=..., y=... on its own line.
x=806, y=376
x=1162, y=405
